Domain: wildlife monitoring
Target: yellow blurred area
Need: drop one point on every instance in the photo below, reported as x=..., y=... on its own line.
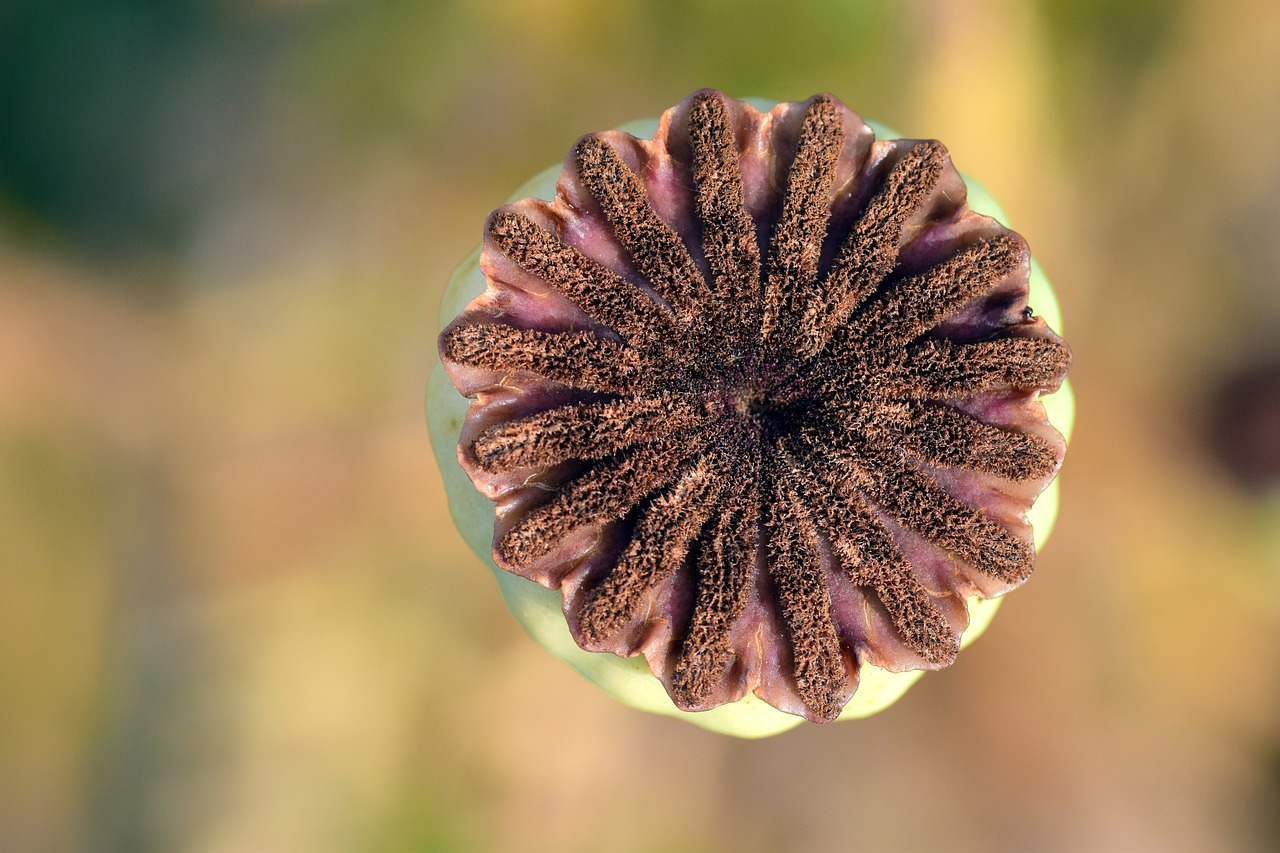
x=234, y=613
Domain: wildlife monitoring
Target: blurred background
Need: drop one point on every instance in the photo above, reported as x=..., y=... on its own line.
x=235, y=615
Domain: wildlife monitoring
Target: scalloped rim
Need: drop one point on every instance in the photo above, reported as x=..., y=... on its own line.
x=538, y=609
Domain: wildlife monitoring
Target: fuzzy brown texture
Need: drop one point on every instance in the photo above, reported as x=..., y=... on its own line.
x=728, y=232
x=798, y=235
x=664, y=533
x=871, y=249
x=723, y=569
x=795, y=567
x=655, y=247
x=761, y=397
x=589, y=431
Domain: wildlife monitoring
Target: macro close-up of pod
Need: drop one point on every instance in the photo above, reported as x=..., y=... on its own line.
x=627, y=427
x=756, y=403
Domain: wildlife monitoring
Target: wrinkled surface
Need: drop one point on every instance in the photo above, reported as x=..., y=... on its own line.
x=758, y=477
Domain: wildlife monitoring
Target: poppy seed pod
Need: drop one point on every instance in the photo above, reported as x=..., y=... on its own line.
x=748, y=417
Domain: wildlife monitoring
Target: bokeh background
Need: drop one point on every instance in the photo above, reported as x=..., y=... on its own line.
x=234, y=614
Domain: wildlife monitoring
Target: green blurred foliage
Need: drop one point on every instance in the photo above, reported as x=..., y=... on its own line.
x=1125, y=37
x=94, y=97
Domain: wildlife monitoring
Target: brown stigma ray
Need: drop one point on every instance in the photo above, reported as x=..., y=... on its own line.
x=577, y=359
x=723, y=571
x=728, y=232
x=869, y=557
x=733, y=453
x=656, y=249
x=797, y=237
x=821, y=676
x=940, y=369
x=602, y=293
x=871, y=249
x=583, y=431
x=665, y=532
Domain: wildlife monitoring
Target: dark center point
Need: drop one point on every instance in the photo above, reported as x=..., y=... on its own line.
x=768, y=411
